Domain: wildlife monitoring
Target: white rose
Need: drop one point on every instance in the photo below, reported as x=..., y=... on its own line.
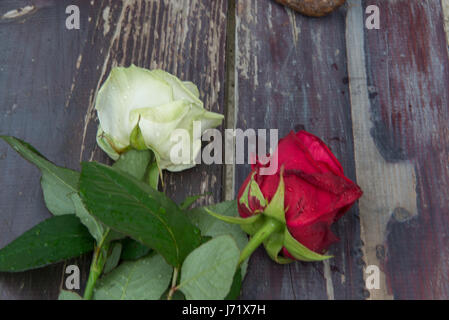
x=142, y=108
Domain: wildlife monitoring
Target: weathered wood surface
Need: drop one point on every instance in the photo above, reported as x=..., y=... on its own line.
x=379, y=98
x=383, y=110
x=37, y=62
x=292, y=74
x=405, y=212
x=48, y=83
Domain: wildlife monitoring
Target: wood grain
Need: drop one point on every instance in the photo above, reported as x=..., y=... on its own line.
x=49, y=80
x=378, y=98
x=399, y=78
x=291, y=74
x=185, y=38
x=38, y=57
x=387, y=186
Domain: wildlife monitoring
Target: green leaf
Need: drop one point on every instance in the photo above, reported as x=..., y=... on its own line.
x=55, y=239
x=300, y=251
x=57, y=183
x=57, y=193
x=234, y=292
x=69, y=295
x=134, y=162
x=208, y=272
x=144, y=279
x=135, y=209
x=95, y=227
x=133, y=250
x=188, y=201
x=210, y=226
x=113, y=258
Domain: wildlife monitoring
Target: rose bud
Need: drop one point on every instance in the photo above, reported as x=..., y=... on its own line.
x=141, y=109
x=291, y=211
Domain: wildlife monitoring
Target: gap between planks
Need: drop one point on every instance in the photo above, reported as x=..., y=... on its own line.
x=230, y=97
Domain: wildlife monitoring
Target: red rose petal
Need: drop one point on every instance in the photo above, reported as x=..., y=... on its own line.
x=317, y=193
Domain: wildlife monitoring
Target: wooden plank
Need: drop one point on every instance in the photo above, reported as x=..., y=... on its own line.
x=184, y=38
x=37, y=59
x=50, y=77
x=399, y=77
x=291, y=74
x=293, y=67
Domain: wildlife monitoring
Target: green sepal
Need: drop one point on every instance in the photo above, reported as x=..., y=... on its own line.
x=301, y=252
x=134, y=162
x=252, y=190
x=234, y=220
x=275, y=208
x=136, y=139
x=273, y=245
x=252, y=228
x=153, y=175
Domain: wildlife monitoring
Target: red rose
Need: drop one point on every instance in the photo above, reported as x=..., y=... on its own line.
x=316, y=192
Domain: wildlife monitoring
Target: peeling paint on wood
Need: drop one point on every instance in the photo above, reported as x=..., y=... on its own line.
x=407, y=79
x=38, y=57
x=17, y=13
x=379, y=98
x=386, y=186
x=186, y=38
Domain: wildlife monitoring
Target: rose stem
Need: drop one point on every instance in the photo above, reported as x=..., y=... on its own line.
x=97, y=265
x=173, y=284
x=271, y=225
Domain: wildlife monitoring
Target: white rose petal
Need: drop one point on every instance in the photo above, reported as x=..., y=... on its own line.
x=159, y=103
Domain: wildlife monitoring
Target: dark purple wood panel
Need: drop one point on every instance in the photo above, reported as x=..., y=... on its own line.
x=408, y=73
x=291, y=75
